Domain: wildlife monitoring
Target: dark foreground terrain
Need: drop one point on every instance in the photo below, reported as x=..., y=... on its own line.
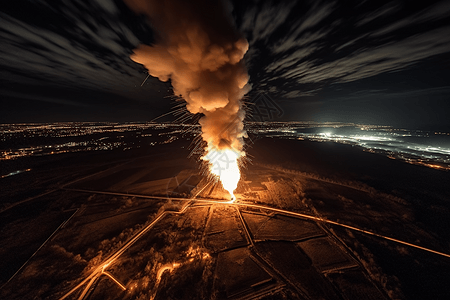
x=144, y=224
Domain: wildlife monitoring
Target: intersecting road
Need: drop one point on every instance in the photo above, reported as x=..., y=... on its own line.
x=189, y=201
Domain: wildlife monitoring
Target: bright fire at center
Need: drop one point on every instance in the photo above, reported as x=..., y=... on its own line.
x=224, y=164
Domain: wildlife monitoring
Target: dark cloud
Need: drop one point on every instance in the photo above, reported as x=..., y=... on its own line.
x=378, y=13
x=328, y=43
x=87, y=52
x=53, y=53
x=373, y=61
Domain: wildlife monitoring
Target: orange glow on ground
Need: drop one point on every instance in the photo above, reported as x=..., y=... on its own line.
x=115, y=280
x=167, y=267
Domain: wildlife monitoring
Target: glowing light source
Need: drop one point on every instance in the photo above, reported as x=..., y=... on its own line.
x=167, y=267
x=224, y=164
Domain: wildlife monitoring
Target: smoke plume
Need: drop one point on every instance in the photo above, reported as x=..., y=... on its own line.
x=200, y=51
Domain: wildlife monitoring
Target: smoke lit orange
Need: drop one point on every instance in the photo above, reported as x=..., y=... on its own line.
x=203, y=56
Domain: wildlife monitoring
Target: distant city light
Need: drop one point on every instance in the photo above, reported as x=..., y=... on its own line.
x=428, y=148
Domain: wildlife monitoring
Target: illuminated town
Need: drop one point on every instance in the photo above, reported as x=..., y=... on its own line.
x=428, y=148
x=57, y=138
x=122, y=211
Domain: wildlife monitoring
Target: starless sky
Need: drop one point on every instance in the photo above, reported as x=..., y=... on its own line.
x=377, y=62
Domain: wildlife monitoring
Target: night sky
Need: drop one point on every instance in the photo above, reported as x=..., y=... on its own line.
x=372, y=62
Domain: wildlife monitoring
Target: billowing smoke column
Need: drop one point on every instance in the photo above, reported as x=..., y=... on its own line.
x=198, y=48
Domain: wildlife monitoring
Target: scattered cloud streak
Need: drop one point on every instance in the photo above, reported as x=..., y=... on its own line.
x=378, y=13
x=321, y=47
x=388, y=57
x=88, y=54
x=261, y=23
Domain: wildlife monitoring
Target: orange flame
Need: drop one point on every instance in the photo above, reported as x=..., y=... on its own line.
x=224, y=164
